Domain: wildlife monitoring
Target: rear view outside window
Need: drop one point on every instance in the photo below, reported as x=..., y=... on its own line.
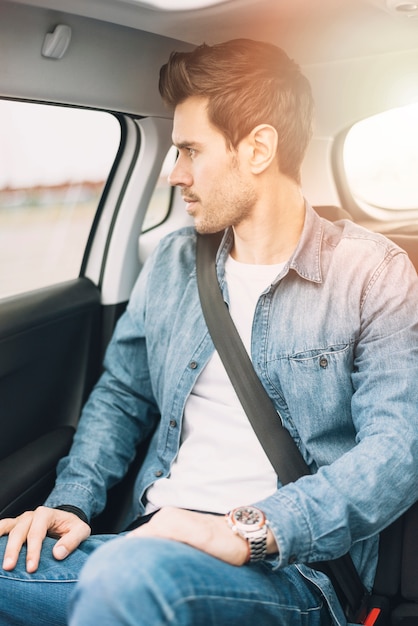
x=381, y=160
x=54, y=162
x=160, y=202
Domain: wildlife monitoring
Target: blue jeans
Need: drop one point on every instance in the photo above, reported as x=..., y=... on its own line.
x=151, y=582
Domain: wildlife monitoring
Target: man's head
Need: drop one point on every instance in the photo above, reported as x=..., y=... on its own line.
x=246, y=83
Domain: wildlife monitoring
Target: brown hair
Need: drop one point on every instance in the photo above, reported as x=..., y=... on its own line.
x=247, y=83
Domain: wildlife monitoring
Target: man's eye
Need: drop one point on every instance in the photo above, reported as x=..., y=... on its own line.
x=191, y=152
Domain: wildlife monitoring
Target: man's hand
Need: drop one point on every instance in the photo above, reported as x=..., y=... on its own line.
x=209, y=533
x=33, y=526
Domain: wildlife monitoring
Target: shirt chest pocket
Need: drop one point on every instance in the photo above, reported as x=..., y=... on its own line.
x=330, y=361
x=316, y=387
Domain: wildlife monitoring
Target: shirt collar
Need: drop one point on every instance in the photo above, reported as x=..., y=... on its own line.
x=305, y=260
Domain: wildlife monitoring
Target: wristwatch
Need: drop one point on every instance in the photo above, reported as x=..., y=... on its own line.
x=251, y=524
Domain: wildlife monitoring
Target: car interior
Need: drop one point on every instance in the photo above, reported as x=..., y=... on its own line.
x=85, y=151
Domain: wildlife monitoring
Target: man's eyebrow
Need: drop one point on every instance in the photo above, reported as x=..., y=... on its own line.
x=186, y=144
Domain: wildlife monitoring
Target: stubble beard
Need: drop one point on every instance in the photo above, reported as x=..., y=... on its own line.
x=230, y=206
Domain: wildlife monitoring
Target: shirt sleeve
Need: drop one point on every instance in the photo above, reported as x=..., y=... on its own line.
x=120, y=413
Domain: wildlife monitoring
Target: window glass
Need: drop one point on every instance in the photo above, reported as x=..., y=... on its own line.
x=381, y=160
x=54, y=162
x=160, y=202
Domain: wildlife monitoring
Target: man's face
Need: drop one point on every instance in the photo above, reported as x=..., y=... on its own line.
x=211, y=176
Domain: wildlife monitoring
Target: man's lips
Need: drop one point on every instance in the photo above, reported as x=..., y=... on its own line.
x=190, y=202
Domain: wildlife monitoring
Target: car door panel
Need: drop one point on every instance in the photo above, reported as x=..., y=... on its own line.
x=28, y=473
x=49, y=359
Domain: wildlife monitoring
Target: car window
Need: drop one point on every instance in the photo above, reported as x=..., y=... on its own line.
x=160, y=203
x=54, y=162
x=381, y=160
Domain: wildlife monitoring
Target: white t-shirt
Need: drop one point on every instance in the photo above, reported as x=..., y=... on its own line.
x=220, y=463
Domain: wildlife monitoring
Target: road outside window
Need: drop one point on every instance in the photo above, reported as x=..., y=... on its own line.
x=54, y=162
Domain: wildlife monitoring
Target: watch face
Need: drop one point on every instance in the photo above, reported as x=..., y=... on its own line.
x=249, y=516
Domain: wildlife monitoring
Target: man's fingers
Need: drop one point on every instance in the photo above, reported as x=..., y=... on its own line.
x=71, y=540
x=70, y=530
x=60, y=551
x=33, y=526
x=6, y=525
x=17, y=529
x=36, y=534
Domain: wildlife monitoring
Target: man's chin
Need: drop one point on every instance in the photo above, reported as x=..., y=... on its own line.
x=202, y=222
x=207, y=229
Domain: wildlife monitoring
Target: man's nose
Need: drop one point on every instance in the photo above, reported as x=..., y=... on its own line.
x=180, y=174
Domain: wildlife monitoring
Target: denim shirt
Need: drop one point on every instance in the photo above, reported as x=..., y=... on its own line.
x=335, y=344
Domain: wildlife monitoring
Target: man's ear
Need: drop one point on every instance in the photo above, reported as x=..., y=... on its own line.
x=262, y=144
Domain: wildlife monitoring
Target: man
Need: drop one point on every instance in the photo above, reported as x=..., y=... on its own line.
x=328, y=313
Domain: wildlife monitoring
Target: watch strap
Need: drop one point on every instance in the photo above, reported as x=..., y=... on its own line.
x=258, y=547
x=256, y=538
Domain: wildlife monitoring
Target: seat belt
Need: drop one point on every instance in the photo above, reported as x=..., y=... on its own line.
x=277, y=442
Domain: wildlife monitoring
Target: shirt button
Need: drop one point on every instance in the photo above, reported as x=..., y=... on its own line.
x=158, y=473
x=173, y=423
x=323, y=362
x=193, y=365
x=292, y=559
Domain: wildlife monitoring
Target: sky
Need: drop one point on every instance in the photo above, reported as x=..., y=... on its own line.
x=45, y=145
x=381, y=158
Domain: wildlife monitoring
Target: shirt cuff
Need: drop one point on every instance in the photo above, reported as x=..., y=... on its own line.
x=69, y=508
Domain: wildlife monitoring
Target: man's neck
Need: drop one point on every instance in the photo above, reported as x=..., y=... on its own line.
x=272, y=233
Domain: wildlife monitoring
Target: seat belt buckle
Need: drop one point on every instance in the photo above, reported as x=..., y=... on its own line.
x=372, y=617
x=377, y=612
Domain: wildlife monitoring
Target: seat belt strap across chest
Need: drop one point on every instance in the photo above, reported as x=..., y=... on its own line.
x=277, y=442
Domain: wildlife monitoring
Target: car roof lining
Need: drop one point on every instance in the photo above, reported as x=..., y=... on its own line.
x=312, y=30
